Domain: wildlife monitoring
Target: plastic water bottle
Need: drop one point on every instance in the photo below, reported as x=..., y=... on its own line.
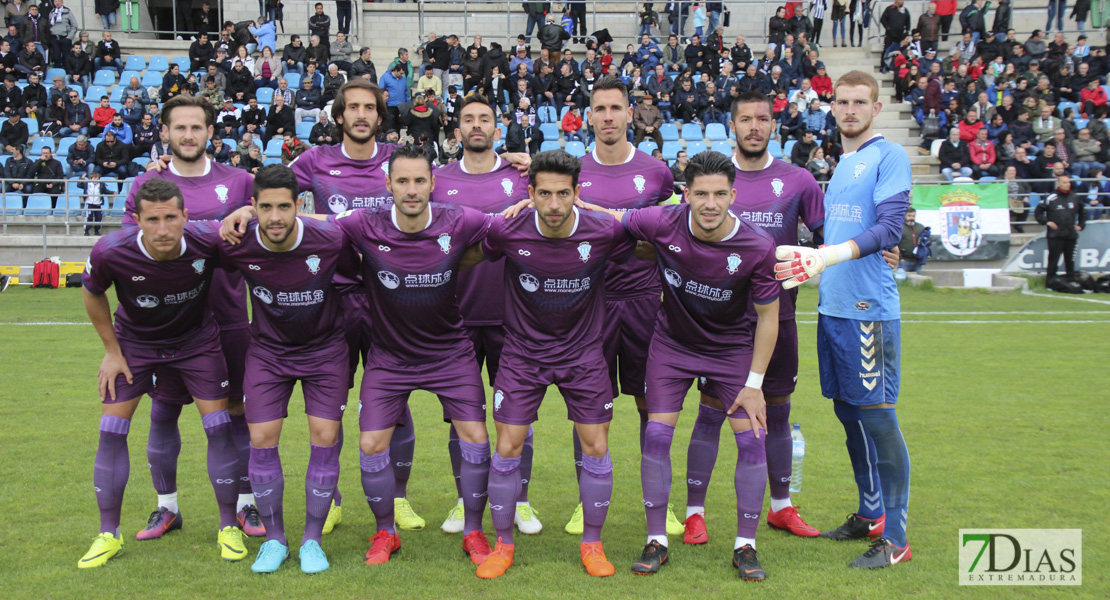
x=798, y=456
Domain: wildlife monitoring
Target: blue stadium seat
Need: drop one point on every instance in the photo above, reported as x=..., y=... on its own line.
x=32, y=125
x=669, y=131
x=671, y=150
x=265, y=95
x=504, y=130
x=230, y=143
x=64, y=145
x=550, y=145
x=715, y=132
x=13, y=204
x=498, y=144
x=119, y=203
x=691, y=132
x=42, y=142
x=563, y=112
x=125, y=186
x=68, y=203
x=94, y=142
x=1081, y=123
x=294, y=80
x=134, y=63
x=105, y=77
x=695, y=148
x=39, y=205
x=787, y=148
x=116, y=106
x=116, y=95
x=93, y=94
x=722, y=147
x=158, y=63
x=272, y=160
x=1034, y=200
x=987, y=179
x=141, y=160
x=183, y=62
x=775, y=149
x=576, y=149
x=73, y=86
x=273, y=147
x=21, y=85
x=151, y=78
x=647, y=146
x=51, y=73
x=125, y=77
x=304, y=130
x=547, y=114
x=550, y=131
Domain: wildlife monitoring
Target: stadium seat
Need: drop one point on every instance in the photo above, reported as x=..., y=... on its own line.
x=273, y=147
x=125, y=186
x=264, y=95
x=93, y=94
x=498, y=144
x=547, y=114
x=787, y=148
x=230, y=143
x=94, y=142
x=105, y=77
x=576, y=149
x=722, y=147
x=504, y=130
x=775, y=148
x=1034, y=200
x=21, y=85
x=161, y=64
x=692, y=132
x=13, y=204
x=119, y=203
x=151, y=79
x=934, y=148
x=987, y=179
x=271, y=160
x=304, y=130
x=134, y=63
x=1081, y=123
x=80, y=90
x=51, y=73
x=39, y=205
x=647, y=146
x=67, y=203
x=64, y=145
x=715, y=132
x=671, y=150
x=549, y=145
x=141, y=160
x=183, y=62
x=294, y=80
x=125, y=77
x=550, y=131
x=563, y=112
x=116, y=95
x=695, y=148
x=42, y=142
x=669, y=132
x=32, y=125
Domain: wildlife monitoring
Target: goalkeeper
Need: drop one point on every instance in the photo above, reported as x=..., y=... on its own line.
x=859, y=317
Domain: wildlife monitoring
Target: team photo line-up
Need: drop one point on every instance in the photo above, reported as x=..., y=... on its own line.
x=548, y=270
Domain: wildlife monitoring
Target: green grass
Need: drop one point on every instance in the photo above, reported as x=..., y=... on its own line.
x=1005, y=422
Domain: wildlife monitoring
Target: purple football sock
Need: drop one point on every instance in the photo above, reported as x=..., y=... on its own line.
x=525, y=466
x=456, y=459
x=242, y=436
x=596, y=489
x=268, y=483
x=164, y=445
x=643, y=426
x=223, y=463
x=780, y=450
x=336, y=496
x=475, y=481
x=377, y=483
x=401, y=449
x=751, y=480
x=705, y=441
x=110, y=470
x=655, y=475
x=319, y=484
x=504, y=489
x=577, y=454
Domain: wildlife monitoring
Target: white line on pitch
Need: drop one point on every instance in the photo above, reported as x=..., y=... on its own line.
x=1065, y=297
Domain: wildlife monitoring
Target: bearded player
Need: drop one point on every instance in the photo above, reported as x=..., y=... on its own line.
x=859, y=317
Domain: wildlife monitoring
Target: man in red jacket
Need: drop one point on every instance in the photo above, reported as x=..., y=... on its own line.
x=572, y=125
x=946, y=9
x=982, y=156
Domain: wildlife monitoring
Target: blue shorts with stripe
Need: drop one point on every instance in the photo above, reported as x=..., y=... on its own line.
x=859, y=360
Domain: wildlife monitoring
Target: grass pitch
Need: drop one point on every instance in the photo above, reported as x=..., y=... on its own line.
x=1003, y=406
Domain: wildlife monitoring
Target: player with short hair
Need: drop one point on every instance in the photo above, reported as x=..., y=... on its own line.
x=773, y=195
x=289, y=264
x=484, y=181
x=859, y=317
x=211, y=192
x=162, y=271
x=714, y=264
x=555, y=261
x=618, y=176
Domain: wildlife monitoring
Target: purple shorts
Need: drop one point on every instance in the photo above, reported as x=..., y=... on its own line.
x=386, y=386
x=356, y=315
x=782, y=371
x=196, y=365
x=270, y=379
x=487, y=341
x=169, y=388
x=627, y=335
x=671, y=370
x=522, y=383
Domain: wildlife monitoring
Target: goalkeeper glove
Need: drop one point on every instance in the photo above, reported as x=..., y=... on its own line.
x=798, y=263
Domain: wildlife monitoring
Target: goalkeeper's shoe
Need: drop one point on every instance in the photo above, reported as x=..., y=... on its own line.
x=104, y=547
x=882, y=553
x=857, y=528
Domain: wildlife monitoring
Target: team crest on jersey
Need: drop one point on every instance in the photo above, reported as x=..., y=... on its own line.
x=639, y=182
x=507, y=186
x=859, y=170
x=733, y=263
x=263, y=294
x=147, y=301
x=221, y=193
x=337, y=203
x=389, y=280
x=529, y=282
x=584, y=251
x=498, y=397
x=385, y=168
x=198, y=266
x=672, y=277
x=445, y=242
x=776, y=186
x=313, y=263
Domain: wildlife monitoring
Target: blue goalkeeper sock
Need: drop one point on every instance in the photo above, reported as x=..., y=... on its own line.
x=861, y=451
x=894, y=468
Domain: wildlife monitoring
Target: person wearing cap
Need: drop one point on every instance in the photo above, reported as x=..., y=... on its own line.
x=308, y=101
x=11, y=97
x=823, y=85
x=14, y=131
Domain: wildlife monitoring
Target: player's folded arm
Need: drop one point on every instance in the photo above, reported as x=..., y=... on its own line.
x=890, y=217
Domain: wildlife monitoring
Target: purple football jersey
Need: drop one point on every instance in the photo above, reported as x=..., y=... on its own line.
x=340, y=183
x=639, y=182
x=708, y=283
x=482, y=288
x=556, y=299
x=411, y=279
x=210, y=197
x=775, y=198
x=160, y=302
x=294, y=302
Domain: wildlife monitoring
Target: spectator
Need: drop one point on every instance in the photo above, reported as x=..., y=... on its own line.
x=1056, y=10
x=533, y=135
x=101, y=117
x=803, y=149
x=1097, y=194
x=53, y=120
x=317, y=53
x=251, y=161
x=535, y=12
x=218, y=150
x=1065, y=217
x=688, y=104
x=323, y=134
x=267, y=69
x=265, y=32
x=995, y=127
x=14, y=131
x=111, y=156
x=308, y=101
x=319, y=25
x=173, y=82
x=30, y=60
x=973, y=22
x=394, y=82
x=551, y=36
x=421, y=118
x=819, y=165
x=144, y=136
x=429, y=80
x=78, y=66
x=332, y=82
x=136, y=91
x=928, y=25
x=364, y=66
x=695, y=55
x=252, y=119
x=515, y=139
x=1018, y=193
x=78, y=116
x=983, y=157
x=646, y=121
x=572, y=125
x=107, y=53
x=240, y=82
x=791, y=126
x=1085, y=151
x=201, y=52
x=970, y=126
x=48, y=174
x=896, y=23
x=814, y=119
x=673, y=56
x=954, y=157
x=36, y=28
x=777, y=27
x=292, y=147
x=94, y=194
x=911, y=237
x=17, y=173
x=120, y=129
x=804, y=95
x=294, y=55
x=11, y=97
x=1045, y=126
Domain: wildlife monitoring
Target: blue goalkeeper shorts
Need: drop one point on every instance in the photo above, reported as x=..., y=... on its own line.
x=859, y=360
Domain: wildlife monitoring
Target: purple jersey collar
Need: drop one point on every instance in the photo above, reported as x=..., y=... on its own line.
x=297, y=244
x=577, y=220
x=732, y=234
x=142, y=248
x=766, y=165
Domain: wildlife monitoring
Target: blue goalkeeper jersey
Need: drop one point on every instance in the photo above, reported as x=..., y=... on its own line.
x=862, y=289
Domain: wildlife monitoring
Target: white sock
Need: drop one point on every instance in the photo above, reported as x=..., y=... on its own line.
x=245, y=500
x=525, y=503
x=695, y=510
x=778, y=504
x=168, y=501
x=743, y=541
x=662, y=539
